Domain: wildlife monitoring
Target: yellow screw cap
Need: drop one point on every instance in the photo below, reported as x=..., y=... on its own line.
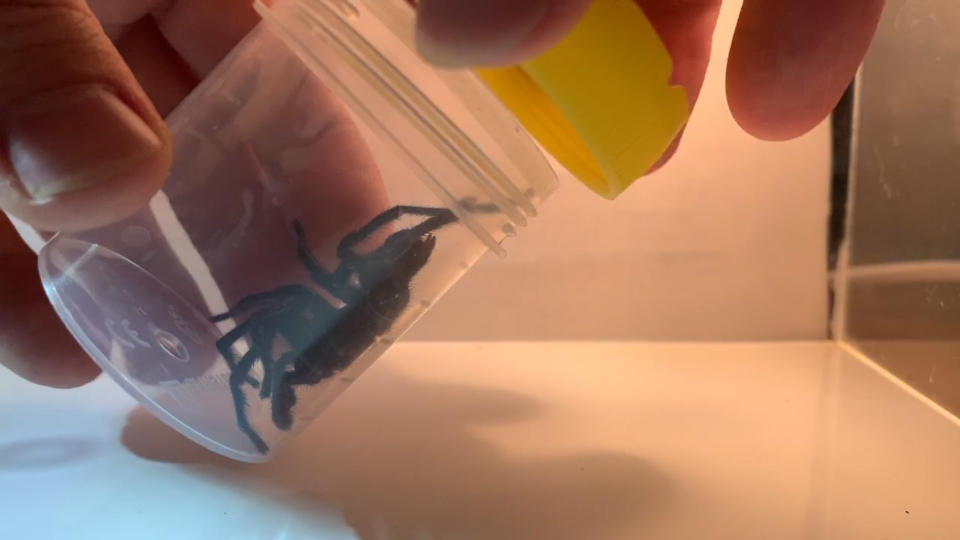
x=600, y=101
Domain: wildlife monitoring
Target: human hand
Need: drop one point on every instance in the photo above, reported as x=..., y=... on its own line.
x=82, y=96
x=81, y=119
x=790, y=60
x=84, y=87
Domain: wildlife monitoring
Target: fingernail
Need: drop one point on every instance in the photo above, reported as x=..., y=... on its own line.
x=71, y=139
x=475, y=32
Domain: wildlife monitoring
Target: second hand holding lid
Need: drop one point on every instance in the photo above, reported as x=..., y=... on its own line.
x=601, y=100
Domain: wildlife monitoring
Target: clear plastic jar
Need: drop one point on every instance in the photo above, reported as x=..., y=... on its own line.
x=328, y=186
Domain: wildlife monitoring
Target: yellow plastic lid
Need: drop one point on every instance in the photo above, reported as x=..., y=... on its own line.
x=601, y=100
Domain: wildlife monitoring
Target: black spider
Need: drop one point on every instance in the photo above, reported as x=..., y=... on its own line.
x=322, y=339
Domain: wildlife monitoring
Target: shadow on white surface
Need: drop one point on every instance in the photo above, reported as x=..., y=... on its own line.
x=421, y=470
x=516, y=440
x=46, y=452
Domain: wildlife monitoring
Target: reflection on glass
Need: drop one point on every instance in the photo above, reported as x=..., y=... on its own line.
x=903, y=282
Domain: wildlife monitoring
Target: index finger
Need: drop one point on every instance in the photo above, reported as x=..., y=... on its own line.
x=791, y=61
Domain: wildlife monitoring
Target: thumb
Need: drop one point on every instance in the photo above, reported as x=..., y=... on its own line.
x=80, y=143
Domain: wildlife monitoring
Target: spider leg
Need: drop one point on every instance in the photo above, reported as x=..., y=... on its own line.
x=299, y=326
x=472, y=205
x=404, y=237
x=345, y=249
x=267, y=387
x=433, y=224
x=241, y=307
x=263, y=341
x=305, y=372
x=309, y=375
x=237, y=379
x=307, y=259
x=311, y=347
x=336, y=283
x=223, y=317
x=226, y=343
x=438, y=218
x=256, y=301
x=283, y=396
x=339, y=282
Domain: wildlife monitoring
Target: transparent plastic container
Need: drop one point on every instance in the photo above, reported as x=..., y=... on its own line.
x=328, y=186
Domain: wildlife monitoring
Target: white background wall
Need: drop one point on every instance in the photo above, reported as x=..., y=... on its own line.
x=726, y=242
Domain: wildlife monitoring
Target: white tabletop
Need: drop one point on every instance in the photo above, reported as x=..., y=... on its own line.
x=463, y=441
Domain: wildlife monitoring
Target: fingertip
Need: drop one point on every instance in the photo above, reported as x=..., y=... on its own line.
x=466, y=33
x=791, y=61
x=34, y=343
x=127, y=192
x=80, y=143
x=765, y=94
x=768, y=114
x=470, y=32
x=70, y=371
x=771, y=104
x=117, y=193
